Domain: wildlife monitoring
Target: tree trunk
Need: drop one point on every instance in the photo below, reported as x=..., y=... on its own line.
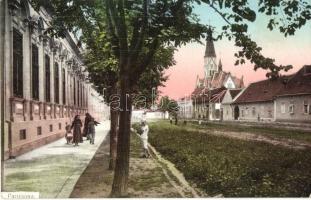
x=120, y=181
x=114, y=116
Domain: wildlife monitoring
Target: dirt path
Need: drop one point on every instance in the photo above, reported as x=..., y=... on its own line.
x=146, y=180
x=288, y=143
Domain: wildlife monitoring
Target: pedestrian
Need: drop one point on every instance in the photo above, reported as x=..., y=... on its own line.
x=144, y=139
x=87, y=119
x=91, y=130
x=85, y=127
x=68, y=135
x=76, y=126
x=171, y=120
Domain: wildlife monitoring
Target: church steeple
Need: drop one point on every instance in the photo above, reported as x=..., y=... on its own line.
x=210, y=66
x=219, y=66
x=210, y=49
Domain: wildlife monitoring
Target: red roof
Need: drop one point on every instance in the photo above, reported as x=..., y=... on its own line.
x=300, y=83
x=197, y=91
x=234, y=92
x=219, y=78
x=218, y=97
x=267, y=90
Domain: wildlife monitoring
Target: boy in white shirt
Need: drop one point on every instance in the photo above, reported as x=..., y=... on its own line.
x=144, y=139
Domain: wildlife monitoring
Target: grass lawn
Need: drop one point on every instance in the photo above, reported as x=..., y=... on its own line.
x=300, y=135
x=233, y=167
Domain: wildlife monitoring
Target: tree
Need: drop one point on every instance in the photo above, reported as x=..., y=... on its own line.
x=101, y=71
x=169, y=105
x=139, y=28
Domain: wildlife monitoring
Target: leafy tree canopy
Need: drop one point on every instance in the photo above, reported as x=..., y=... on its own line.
x=173, y=22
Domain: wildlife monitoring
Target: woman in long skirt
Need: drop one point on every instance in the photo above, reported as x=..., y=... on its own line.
x=76, y=126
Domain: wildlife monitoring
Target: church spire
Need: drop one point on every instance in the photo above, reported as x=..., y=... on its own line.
x=219, y=65
x=210, y=49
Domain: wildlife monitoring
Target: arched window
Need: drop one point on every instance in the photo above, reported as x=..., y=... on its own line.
x=35, y=72
x=47, y=79
x=74, y=91
x=56, y=82
x=17, y=63
x=64, y=86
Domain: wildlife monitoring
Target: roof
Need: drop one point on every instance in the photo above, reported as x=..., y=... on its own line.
x=267, y=90
x=219, y=79
x=197, y=91
x=216, y=95
x=300, y=83
x=210, y=49
x=234, y=92
x=260, y=91
x=219, y=96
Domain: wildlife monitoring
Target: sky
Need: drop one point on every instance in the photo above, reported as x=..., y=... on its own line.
x=294, y=50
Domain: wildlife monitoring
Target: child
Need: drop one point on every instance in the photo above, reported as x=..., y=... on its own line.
x=91, y=130
x=144, y=139
x=68, y=135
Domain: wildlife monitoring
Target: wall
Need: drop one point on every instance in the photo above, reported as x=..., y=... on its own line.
x=138, y=115
x=185, y=109
x=25, y=114
x=227, y=112
x=96, y=107
x=263, y=111
x=298, y=115
x=200, y=111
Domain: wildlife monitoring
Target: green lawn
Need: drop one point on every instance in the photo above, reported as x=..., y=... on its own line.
x=233, y=167
x=267, y=131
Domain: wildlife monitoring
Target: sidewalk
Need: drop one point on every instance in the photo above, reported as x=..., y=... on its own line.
x=53, y=169
x=148, y=177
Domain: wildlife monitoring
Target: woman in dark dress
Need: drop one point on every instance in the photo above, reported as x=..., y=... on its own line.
x=85, y=127
x=76, y=126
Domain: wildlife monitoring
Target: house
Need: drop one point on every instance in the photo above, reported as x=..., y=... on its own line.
x=44, y=80
x=293, y=102
x=287, y=98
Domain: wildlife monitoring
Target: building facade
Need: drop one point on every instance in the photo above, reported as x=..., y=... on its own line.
x=43, y=79
x=226, y=109
x=185, y=108
x=287, y=99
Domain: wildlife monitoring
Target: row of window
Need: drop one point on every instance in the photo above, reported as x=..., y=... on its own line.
x=23, y=132
x=18, y=75
x=246, y=111
x=291, y=108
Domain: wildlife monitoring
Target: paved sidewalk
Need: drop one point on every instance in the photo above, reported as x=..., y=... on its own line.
x=53, y=169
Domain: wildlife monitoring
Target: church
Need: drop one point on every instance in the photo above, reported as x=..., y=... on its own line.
x=210, y=90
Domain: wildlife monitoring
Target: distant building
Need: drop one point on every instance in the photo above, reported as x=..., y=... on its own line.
x=287, y=98
x=45, y=84
x=210, y=90
x=185, y=108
